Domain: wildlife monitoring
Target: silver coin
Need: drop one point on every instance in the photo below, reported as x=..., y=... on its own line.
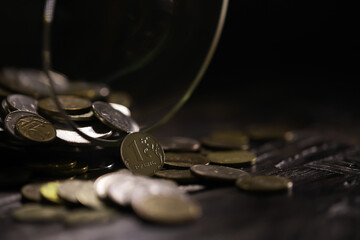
x=121, y=192
x=67, y=190
x=12, y=118
x=33, y=82
x=177, y=143
x=114, y=118
x=22, y=102
x=72, y=137
x=102, y=183
x=87, y=196
x=121, y=108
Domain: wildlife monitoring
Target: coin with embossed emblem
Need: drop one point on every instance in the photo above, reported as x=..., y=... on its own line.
x=114, y=118
x=263, y=183
x=142, y=154
x=12, y=118
x=35, y=128
x=185, y=160
x=167, y=209
x=232, y=157
x=71, y=104
x=21, y=102
x=217, y=172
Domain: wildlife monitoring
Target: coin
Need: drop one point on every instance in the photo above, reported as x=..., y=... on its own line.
x=121, y=192
x=267, y=131
x=180, y=176
x=21, y=102
x=142, y=154
x=46, y=165
x=226, y=140
x=114, y=118
x=85, y=216
x=185, y=160
x=11, y=119
x=121, y=108
x=71, y=104
x=179, y=144
x=79, y=168
x=167, y=209
x=35, y=128
x=102, y=183
x=232, y=157
x=33, y=82
x=217, y=172
x=90, y=90
x=263, y=183
x=87, y=196
x=67, y=189
x=31, y=191
x=49, y=192
x=35, y=212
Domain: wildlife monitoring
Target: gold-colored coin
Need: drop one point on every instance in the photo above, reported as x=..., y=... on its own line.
x=35, y=212
x=185, y=160
x=180, y=176
x=217, y=172
x=49, y=192
x=232, y=157
x=71, y=104
x=226, y=140
x=35, y=128
x=167, y=209
x=142, y=154
x=263, y=183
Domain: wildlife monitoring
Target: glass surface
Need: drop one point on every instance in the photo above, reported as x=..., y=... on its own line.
x=155, y=51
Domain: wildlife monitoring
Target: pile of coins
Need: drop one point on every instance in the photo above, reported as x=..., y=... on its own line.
x=65, y=177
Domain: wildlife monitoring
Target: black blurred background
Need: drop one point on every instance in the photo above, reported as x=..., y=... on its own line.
x=294, y=56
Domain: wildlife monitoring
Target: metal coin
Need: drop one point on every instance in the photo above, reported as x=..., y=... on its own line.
x=71, y=104
x=80, y=168
x=114, y=118
x=35, y=128
x=121, y=192
x=167, y=209
x=90, y=90
x=192, y=188
x=32, y=82
x=121, y=108
x=179, y=144
x=21, y=102
x=263, y=183
x=11, y=119
x=217, y=172
x=226, y=140
x=31, y=191
x=142, y=154
x=87, y=196
x=49, y=192
x=85, y=216
x=102, y=183
x=180, y=176
x=232, y=157
x=34, y=212
x=267, y=131
x=67, y=190
x=185, y=160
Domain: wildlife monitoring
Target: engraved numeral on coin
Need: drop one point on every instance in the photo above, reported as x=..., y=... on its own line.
x=136, y=150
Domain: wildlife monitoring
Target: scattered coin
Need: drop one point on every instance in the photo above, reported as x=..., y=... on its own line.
x=31, y=191
x=102, y=183
x=90, y=90
x=217, y=172
x=35, y=128
x=71, y=104
x=67, y=189
x=11, y=120
x=185, y=160
x=263, y=183
x=179, y=144
x=142, y=154
x=81, y=216
x=167, y=209
x=114, y=118
x=226, y=140
x=180, y=176
x=87, y=196
x=35, y=212
x=21, y=102
x=49, y=192
x=121, y=108
x=232, y=157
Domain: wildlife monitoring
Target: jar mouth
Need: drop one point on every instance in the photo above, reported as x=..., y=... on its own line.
x=163, y=49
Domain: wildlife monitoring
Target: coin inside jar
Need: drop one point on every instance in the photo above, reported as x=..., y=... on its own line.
x=71, y=104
